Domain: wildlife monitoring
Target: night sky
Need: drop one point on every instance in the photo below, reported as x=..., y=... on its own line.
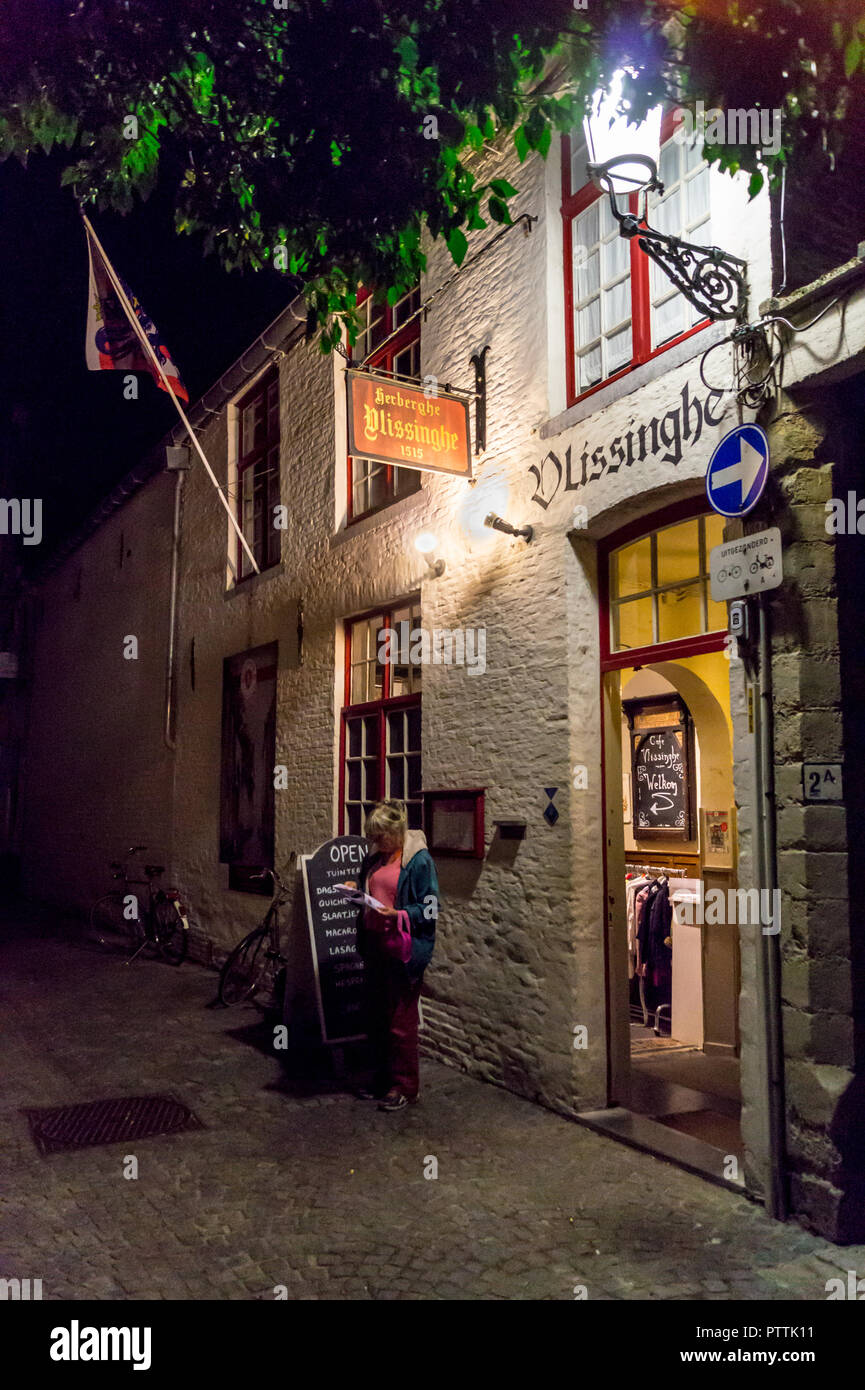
x=67, y=435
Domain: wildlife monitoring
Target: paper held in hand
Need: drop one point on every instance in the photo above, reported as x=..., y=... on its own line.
x=354, y=895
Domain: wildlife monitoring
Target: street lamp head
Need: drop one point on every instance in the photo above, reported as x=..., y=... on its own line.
x=624, y=160
x=625, y=149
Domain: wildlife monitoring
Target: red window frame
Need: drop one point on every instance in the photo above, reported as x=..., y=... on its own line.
x=383, y=359
x=575, y=201
x=245, y=462
x=380, y=707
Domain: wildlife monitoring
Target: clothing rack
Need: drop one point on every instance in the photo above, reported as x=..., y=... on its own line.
x=657, y=871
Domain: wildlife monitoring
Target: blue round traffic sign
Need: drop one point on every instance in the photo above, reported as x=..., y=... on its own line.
x=738, y=470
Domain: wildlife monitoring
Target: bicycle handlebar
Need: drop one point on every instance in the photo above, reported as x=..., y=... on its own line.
x=278, y=881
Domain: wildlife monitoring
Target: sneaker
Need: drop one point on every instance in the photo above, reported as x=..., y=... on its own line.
x=395, y=1101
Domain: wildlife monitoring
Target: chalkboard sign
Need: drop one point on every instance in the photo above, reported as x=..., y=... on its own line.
x=339, y=970
x=660, y=768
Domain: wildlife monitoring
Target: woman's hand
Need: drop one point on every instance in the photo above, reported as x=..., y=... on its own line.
x=350, y=883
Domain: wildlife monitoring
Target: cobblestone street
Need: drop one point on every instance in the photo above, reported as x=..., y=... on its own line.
x=318, y=1191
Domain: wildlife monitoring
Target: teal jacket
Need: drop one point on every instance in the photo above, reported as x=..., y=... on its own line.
x=417, y=893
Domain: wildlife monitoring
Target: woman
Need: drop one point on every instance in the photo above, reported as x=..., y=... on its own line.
x=396, y=944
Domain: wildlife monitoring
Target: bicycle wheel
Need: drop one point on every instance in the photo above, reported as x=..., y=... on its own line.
x=110, y=925
x=243, y=971
x=170, y=931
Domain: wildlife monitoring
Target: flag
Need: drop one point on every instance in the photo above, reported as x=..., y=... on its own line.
x=112, y=343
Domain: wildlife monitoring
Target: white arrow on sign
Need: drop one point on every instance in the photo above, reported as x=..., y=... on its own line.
x=745, y=471
x=660, y=797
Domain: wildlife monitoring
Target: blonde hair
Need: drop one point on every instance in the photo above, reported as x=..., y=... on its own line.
x=387, y=818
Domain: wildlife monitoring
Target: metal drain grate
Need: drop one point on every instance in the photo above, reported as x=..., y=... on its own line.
x=108, y=1122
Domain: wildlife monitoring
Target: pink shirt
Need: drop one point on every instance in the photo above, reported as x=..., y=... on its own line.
x=395, y=934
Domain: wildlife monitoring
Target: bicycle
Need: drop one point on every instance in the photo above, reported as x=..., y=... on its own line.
x=117, y=919
x=257, y=958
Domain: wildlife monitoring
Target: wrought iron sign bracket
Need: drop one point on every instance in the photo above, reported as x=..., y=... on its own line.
x=714, y=281
x=479, y=362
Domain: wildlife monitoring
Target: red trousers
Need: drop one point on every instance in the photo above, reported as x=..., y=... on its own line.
x=392, y=1026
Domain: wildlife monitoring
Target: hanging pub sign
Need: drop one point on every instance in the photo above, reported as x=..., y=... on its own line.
x=661, y=767
x=400, y=424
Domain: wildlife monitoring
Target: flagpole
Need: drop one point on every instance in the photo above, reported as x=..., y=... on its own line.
x=148, y=346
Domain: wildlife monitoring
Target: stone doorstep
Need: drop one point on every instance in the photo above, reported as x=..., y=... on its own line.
x=641, y=1132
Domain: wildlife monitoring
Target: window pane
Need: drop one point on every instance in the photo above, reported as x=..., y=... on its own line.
x=407, y=362
x=413, y=725
x=395, y=732
x=406, y=306
x=589, y=368
x=617, y=305
x=669, y=317
x=633, y=624
x=714, y=533
x=588, y=279
x=355, y=735
x=632, y=568
x=668, y=214
x=396, y=777
x=669, y=165
x=698, y=197
x=377, y=326
x=618, y=351
x=585, y=233
x=679, y=552
x=414, y=775
x=405, y=480
x=680, y=613
x=616, y=257
x=717, y=615
x=589, y=322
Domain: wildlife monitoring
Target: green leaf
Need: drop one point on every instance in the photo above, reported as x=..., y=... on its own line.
x=502, y=188
x=755, y=183
x=499, y=211
x=852, y=56
x=521, y=142
x=475, y=137
x=457, y=245
x=542, y=145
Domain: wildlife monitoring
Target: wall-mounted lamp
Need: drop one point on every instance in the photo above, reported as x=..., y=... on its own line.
x=498, y=523
x=625, y=162
x=426, y=542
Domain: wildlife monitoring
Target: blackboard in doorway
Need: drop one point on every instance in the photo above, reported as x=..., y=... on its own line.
x=661, y=732
x=339, y=970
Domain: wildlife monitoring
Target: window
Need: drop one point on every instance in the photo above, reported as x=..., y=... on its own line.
x=659, y=585
x=258, y=474
x=381, y=720
x=620, y=307
x=372, y=485
x=246, y=801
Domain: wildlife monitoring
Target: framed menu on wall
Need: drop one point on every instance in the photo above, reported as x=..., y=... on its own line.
x=662, y=767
